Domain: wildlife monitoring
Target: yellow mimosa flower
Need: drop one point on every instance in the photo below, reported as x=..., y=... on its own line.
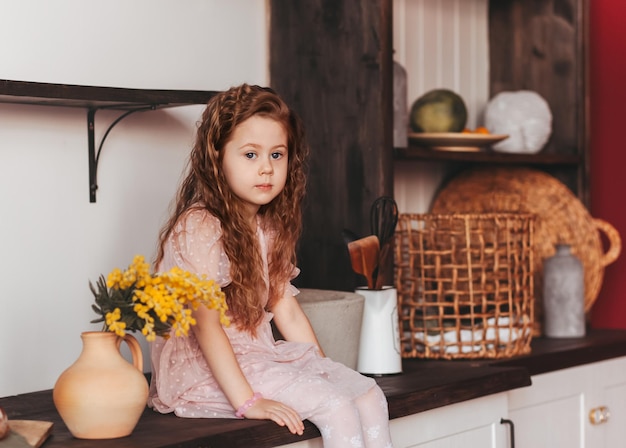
x=155, y=304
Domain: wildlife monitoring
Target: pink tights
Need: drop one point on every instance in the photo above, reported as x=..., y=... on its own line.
x=359, y=423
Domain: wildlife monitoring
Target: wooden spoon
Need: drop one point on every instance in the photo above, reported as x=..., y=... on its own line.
x=364, y=257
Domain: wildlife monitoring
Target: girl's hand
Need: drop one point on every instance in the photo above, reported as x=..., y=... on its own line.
x=281, y=414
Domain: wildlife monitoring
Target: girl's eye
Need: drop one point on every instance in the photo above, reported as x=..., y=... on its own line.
x=249, y=155
x=277, y=155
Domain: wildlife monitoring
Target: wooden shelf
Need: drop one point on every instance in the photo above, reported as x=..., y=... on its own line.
x=485, y=156
x=67, y=95
x=96, y=98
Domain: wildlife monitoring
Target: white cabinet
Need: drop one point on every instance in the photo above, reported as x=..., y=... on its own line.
x=578, y=407
x=582, y=407
x=469, y=424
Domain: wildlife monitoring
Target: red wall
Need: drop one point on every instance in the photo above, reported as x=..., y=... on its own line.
x=608, y=147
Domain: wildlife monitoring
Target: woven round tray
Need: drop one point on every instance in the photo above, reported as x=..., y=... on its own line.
x=560, y=218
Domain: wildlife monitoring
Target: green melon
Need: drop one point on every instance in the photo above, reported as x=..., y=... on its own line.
x=439, y=110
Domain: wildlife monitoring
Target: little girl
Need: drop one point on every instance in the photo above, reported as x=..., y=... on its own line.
x=237, y=219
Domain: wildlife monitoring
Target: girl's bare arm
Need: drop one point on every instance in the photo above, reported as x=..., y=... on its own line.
x=292, y=322
x=221, y=360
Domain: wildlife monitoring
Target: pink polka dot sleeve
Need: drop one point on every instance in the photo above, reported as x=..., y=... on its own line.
x=195, y=245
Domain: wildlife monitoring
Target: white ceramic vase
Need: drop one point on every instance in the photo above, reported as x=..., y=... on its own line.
x=379, y=347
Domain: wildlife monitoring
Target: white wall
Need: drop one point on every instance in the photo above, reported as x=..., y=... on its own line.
x=441, y=44
x=53, y=240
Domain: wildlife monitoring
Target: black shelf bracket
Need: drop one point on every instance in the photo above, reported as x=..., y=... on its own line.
x=94, y=98
x=94, y=156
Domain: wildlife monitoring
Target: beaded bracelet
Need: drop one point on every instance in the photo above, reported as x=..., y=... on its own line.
x=248, y=404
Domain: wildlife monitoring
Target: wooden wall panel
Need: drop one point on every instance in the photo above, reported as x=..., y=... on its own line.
x=536, y=38
x=541, y=45
x=331, y=61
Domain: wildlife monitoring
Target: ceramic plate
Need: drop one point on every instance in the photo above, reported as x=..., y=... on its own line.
x=455, y=141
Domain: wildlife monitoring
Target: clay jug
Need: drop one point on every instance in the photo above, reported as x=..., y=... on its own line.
x=101, y=395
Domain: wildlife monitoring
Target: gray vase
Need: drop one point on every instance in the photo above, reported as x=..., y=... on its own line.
x=400, y=107
x=563, y=295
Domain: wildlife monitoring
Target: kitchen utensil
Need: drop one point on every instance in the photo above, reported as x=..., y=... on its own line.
x=348, y=236
x=383, y=218
x=28, y=433
x=364, y=257
x=383, y=221
x=383, y=267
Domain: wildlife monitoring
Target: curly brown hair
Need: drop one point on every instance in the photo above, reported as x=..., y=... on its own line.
x=205, y=187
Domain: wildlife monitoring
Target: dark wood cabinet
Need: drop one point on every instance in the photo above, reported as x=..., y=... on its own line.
x=332, y=61
x=542, y=45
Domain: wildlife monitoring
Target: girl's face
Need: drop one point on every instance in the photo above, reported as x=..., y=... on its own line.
x=255, y=162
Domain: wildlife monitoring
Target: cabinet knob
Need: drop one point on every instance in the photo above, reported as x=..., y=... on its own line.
x=599, y=415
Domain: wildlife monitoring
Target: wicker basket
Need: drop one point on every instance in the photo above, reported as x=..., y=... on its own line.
x=465, y=285
x=561, y=218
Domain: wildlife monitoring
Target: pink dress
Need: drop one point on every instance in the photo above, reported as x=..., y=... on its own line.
x=290, y=372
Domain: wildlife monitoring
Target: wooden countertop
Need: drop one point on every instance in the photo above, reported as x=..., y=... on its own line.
x=423, y=385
